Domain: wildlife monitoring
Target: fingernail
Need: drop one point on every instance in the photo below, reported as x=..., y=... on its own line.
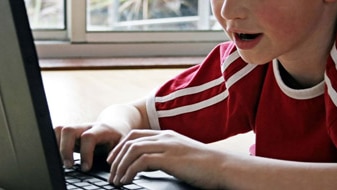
x=67, y=163
x=123, y=180
x=85, y=167
x=111, y=179
x=116, y=181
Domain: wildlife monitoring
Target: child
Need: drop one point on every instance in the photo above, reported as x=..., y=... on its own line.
x=277, y=77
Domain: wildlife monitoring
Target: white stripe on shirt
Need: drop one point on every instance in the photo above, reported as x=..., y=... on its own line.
x=208, y=102
x=331, y=91
x=193, y=107
x=230, y=59
x=239, y=75
x=151, y=111
x=190, y=90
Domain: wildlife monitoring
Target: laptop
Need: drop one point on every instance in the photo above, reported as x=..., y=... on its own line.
x=29, y=154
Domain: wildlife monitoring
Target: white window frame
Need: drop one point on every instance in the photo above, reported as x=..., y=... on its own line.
x=77, y=42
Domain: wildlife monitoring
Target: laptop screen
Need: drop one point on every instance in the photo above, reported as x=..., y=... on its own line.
x=29, y=157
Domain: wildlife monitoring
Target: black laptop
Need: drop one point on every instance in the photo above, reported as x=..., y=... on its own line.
x=29, y=155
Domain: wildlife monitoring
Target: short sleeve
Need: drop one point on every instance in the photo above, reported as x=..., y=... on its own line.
x=194, y=103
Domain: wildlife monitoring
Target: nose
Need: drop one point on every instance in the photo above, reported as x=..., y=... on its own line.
x=233, y=9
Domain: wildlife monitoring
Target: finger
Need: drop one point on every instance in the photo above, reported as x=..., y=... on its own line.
x=131, y=152
x=134, y=134
x=68, y=137
x=145, y=162
x=57, y=131
x=97, y=135
x=87, y=148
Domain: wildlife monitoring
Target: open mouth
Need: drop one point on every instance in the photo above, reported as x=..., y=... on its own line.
x=247, y=37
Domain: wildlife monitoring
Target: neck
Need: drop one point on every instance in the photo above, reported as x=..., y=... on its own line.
x=303, y=74
x=296, y=82
x=306, y=68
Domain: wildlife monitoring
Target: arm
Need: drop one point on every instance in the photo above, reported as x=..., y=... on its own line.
x=249, y=172
x=126, y=117
x=112, y=124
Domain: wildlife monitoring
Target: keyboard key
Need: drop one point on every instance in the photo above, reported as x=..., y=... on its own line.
x=82, y=184
x=73, y=180
x=71, y=187
x=95, y=180
x=110, y=187
x=101, y=183
x=132, y=187
x=76, y=179
x=91, y=187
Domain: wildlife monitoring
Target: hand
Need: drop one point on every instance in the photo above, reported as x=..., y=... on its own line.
x=86, y=137
x=184, y=158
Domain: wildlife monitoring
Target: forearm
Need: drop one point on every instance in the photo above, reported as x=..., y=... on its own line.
x=125, y=117
x=248, y=172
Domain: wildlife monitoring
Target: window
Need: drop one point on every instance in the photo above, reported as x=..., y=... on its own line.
x=148, y=15
x=47, y=18
x=151, y=21
x=123, y=27
x=46, y=14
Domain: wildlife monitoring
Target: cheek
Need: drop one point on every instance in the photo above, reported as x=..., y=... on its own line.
x=284, y=18
x=281, y=25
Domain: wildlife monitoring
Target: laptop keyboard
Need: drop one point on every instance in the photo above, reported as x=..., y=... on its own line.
x=76, y=179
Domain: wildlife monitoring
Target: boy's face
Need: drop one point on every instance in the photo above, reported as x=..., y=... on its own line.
x=266, y=29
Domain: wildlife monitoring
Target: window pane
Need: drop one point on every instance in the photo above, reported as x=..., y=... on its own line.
x=46, y=14
x=148, y=15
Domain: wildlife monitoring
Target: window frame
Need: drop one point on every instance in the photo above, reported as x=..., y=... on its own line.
x=76, y=41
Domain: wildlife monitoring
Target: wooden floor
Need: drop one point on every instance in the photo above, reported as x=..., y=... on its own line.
x=78, y=96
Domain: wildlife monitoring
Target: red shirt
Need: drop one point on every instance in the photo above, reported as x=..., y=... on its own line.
x=225, y=96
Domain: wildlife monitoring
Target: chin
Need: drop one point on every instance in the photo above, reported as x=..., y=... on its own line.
x=256, y=60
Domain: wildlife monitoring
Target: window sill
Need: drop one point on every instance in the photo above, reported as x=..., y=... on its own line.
x=119, y=63
x=65, y=50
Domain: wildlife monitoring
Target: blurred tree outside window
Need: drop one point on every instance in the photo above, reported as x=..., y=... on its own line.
x=46, y=14
x=148, y=15
x=126, y=15
x=146, y=27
